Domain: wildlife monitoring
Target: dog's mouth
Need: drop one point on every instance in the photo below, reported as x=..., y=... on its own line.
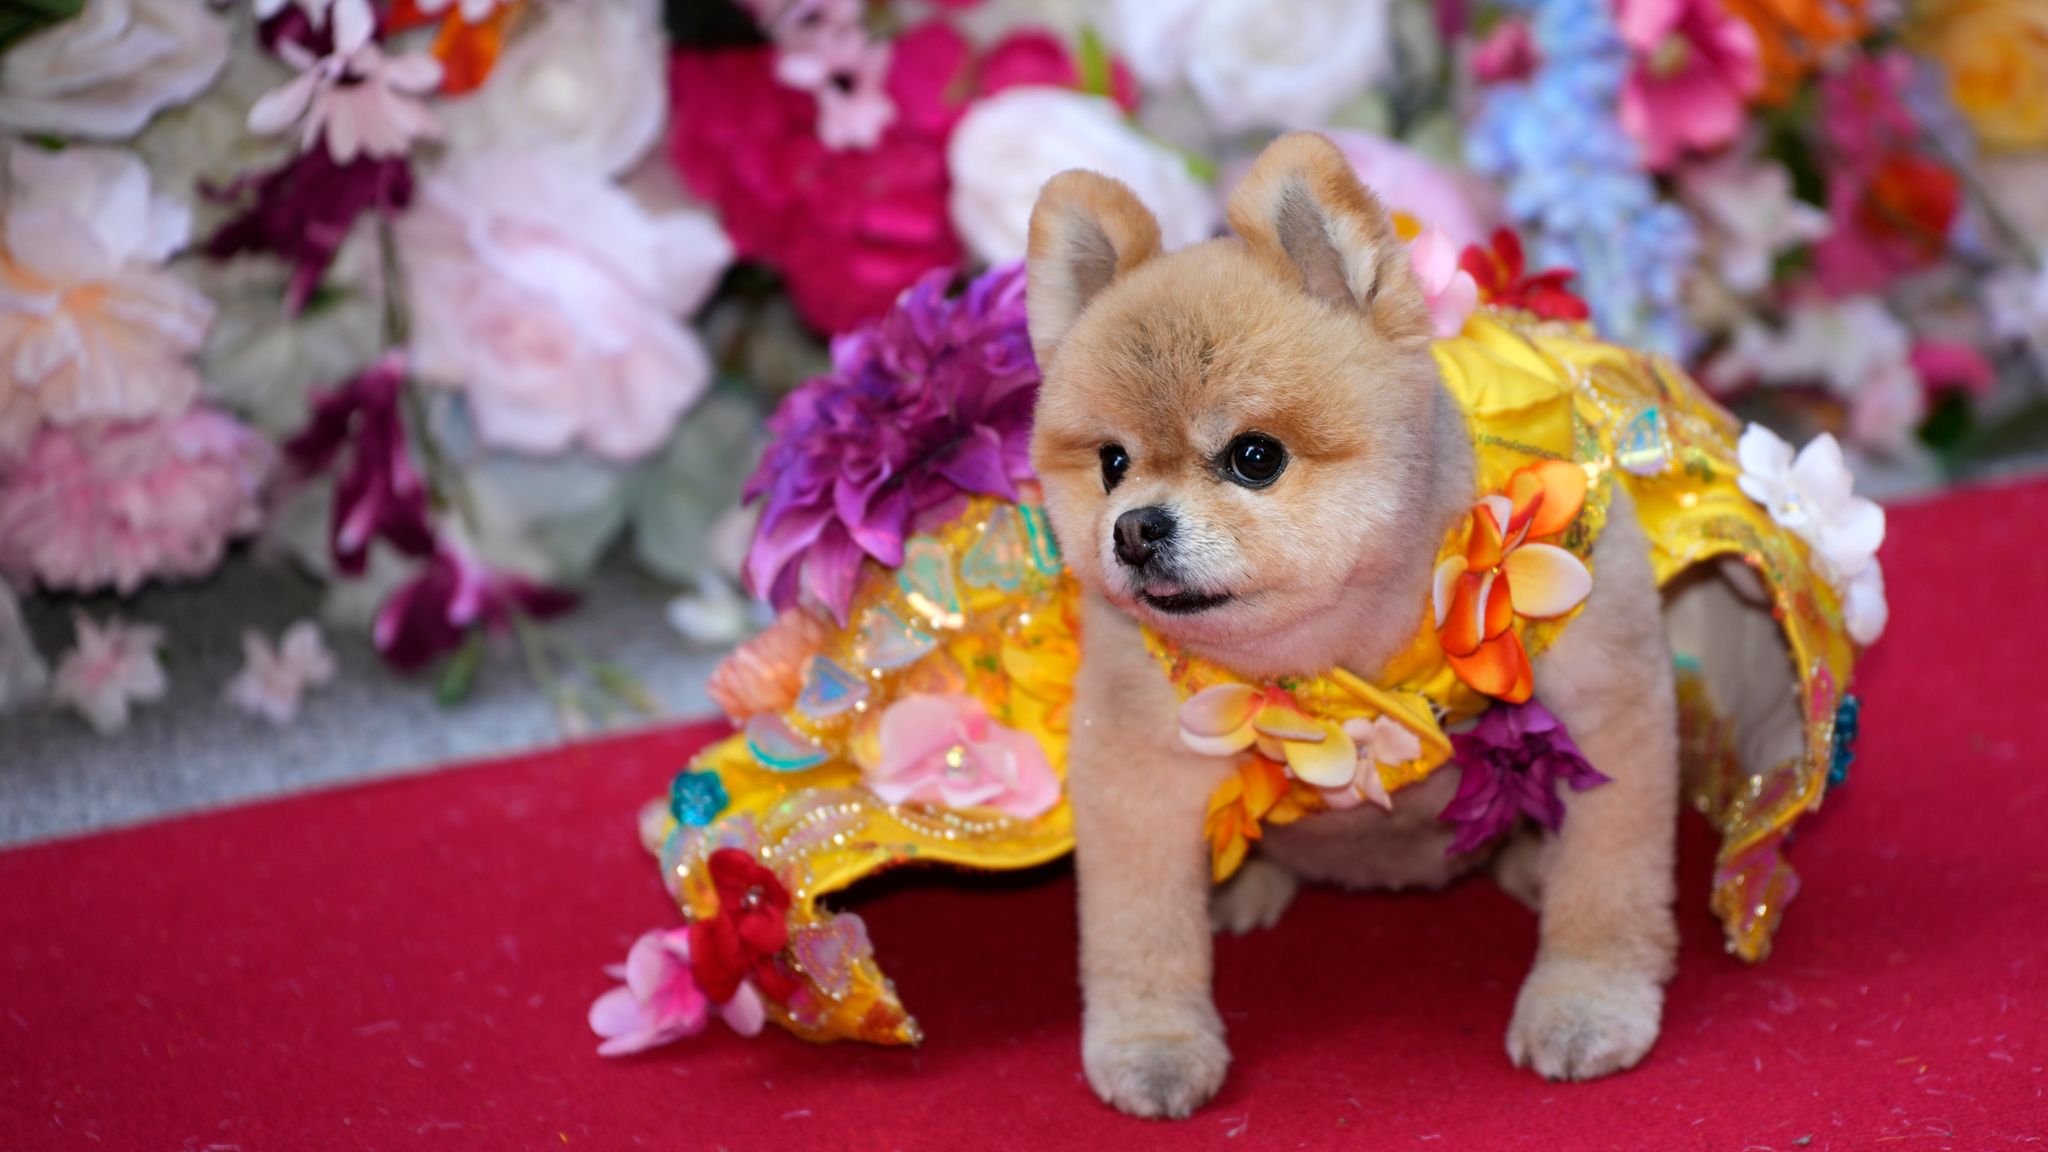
x=1177, y=601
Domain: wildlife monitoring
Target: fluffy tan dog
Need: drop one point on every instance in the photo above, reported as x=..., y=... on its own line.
x=1246, y=446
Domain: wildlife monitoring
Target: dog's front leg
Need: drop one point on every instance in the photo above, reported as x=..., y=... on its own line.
x=1594, y=1001
x=1152, y=1042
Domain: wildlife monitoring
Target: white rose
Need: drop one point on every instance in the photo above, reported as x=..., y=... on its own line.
x=1009, y=145
x=1254, y=64
x=553, y=300
x=589, y=79
x=207, y=142
x=103, y=73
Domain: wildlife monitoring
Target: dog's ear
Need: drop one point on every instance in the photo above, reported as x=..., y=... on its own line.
x=1086, y=230
x=1306, y=216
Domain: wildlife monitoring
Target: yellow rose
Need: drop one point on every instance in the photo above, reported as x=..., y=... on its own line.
x=1996, y=53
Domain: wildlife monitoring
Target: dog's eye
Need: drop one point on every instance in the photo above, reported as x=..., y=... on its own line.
x=1254, y=460
x=1115, y=462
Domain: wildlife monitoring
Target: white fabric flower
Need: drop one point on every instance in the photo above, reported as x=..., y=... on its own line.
x=1813, y=495
x=1855, y=347
x=206, y=143
x=273, y=680
x=1254, y=66
x=1751, y=216
x=91, y=326
x=103, y=73
x=553, y=300
x=113, y=668
x=589, y=79
x=1010, y=144
x=360, y=100
x=22, y=671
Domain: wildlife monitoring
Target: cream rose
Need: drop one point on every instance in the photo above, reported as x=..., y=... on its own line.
x=1009, y=145
x=1254, y=64
x=103, y=73
x=554, y=301
x=1996, y=55
x=589, y=79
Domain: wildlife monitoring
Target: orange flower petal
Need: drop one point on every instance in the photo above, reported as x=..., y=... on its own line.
x=1497, y=605
x=1498, y=668
x=1489, y=524
x=1462, y=631
x=1445, y=586
x=1564, y=493
x=468, y=52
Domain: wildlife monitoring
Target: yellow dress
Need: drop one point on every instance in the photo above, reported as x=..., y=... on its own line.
x=983, y=606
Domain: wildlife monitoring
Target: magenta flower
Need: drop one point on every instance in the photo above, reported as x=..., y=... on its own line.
x=1512, y=761
x=660, y=1002
x=430, y=614
x=928, y=404
x=304, y=210
x=379, y=496
x=1696, y=66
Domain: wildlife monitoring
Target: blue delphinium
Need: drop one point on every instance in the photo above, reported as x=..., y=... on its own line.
x=1575, y=183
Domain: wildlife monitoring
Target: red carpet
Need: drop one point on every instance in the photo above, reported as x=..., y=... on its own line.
x=408, y=964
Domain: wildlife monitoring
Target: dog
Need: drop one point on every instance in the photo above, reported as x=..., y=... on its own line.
x=1245, y=445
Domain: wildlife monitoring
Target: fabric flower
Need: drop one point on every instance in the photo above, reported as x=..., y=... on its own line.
x=273, y=680
x=104, y=72
x=1888, y=220
x=766, y=674
x=553, y=300
x=1408, y=182
x=380, y=495
x=1856, y=348
x=1500, y=272
x=1250, y=70
x=1798, y=37
x=113, y=668
x=23, y=673
x=304, y=210
x=946, y=750
x=1947, y=366
x=1226, y=719
x=825, y=51
x=1695, y=68
x=361, y=101
x=91, y=326
x=587, y=80
x=931, y=403
x=1751, y=217
x=742, y=938
x=1507, y=570
x=113, y=505
x=1449, y=290
x=1382, y=742
x=660, y=1001
x=1258, y=794
x=1009, y=145
x=1995, y=55
x=432, y=613
x=469, y=35
x=1813, y=495
x=1504, y=54
x=1510, y=766
x=847, y=230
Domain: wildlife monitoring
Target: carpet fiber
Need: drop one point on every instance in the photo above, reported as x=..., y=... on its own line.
x=408, y=964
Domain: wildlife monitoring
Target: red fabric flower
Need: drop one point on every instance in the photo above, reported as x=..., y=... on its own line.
x=747, y=935
x=1504, y=279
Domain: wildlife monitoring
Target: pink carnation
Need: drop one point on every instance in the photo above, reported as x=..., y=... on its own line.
x=98, y=505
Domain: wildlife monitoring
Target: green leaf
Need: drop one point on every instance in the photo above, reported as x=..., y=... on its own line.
x=1097, y=73
x=458, y=676
x=624, y=687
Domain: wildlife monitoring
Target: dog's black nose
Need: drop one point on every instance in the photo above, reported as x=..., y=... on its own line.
x=1137, y=533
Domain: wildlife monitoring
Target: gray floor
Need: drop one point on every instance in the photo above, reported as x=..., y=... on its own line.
x=194, y=751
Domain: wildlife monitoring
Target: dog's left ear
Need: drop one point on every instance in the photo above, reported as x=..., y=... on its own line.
x=1086, y=230
x=1304, y=213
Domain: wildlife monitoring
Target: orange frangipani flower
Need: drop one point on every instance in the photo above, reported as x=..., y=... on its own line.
x=1509, y=569
x=1259, y=793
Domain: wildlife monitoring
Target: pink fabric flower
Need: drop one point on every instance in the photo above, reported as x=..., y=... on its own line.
x=1450, y=291
x=1507, y=53
x=114, y=667
x=1891, y=206
x=946, y=750
x=1944, y=366
x=1408, y=182
x=113, y=505
x=555, y=302
x=660, y=1002
x=363, y=102
x=433, y=612
x=91, y=325
x=1696, y=66
x=274, y=679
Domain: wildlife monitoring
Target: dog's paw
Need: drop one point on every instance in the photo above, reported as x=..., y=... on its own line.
x=1579, y=1021
x=1253, y=899
x=1158, y=1074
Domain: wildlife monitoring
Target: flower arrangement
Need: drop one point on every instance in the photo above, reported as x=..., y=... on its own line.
x=446, y=300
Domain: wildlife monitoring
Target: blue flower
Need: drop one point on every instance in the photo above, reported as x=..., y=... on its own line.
x=697, y=798
x=1848, y=718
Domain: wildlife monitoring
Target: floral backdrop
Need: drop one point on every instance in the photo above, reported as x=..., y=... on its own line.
x=444, y=301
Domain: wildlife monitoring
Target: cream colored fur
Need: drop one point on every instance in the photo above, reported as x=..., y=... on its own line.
x=1307, y=326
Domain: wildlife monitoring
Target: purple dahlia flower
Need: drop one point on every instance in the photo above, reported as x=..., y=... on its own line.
x=1513, y=759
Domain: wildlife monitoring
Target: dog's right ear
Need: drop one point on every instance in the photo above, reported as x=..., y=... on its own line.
x=1086, y=230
